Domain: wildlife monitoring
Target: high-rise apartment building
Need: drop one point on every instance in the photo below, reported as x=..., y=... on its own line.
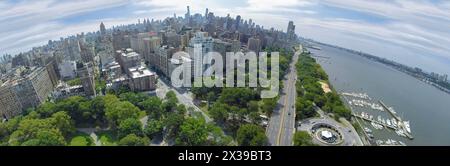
x=254, y=44
x=291, y=31
x=28, y=90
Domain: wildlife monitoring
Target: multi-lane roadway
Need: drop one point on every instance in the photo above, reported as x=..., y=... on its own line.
x=282, y=122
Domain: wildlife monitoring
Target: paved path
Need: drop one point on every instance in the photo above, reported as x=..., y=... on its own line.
x=91, y=133
x=183, y=96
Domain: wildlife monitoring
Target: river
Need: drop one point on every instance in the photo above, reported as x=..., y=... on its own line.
x=427, y=108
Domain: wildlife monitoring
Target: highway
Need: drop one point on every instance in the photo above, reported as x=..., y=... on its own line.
x=282, y=122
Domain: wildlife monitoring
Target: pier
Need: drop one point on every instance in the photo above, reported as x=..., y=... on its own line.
x=394, y=114
x=390, y=111
x=374, y=121
x=319, y=56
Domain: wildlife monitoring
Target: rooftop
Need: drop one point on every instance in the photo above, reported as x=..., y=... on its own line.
x=137, y=72
x=179, y=60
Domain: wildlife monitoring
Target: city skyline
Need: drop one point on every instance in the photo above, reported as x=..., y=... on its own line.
x=224, y=73
x=413, y=29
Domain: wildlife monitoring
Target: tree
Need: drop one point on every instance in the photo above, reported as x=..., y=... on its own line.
x=46, y=109
x=152, y=106
x=269, y=105
x=210, y=96
x=50, y=137
x=217, y=136
x=119, y=111
x=8, y=127
x=98, y=105
x=32, y=126
x=173, y=122
x=133, y=140
x=63, y=122
x=193, y=132
x=37, y=132
x=171, y=96
x=134, y=98
x=154, y=128
x=130, y=126
x=72, y=106
x=171, y=102
x=304, y=108
x=181, y=109
x=302, y=138
x=219, y=112
x=253, y=106
x=255, y=117
x=237, y=96
x=320, y=100
x=251, y=135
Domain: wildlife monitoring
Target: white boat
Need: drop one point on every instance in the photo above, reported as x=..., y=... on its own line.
x=392, y=110
x=388, y=142
x=388, y=122
x=402, y=143
x=394, y=122
x=407, y=126
x=379, y=118
x=379, y=142
x=400, y=133
x=367, y=130
x=377, y=126
x=394, y=142
x=383, y=121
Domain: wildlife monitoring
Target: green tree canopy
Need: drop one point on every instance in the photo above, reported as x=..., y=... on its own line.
x=302, y=138
x=154, y=128
x=193, y=132
x=152, y=106
x=251, y=135
x=63, y=122
x=133, y=140
x=119, y=111
x=130, y=126
x=219, y=112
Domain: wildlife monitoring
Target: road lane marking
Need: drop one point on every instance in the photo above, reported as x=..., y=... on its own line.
x=289, y=83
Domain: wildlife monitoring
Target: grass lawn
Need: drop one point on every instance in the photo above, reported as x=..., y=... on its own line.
x=81, y=139
x=107, y=138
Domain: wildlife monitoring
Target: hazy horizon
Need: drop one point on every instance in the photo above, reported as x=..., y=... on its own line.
x=414, y=33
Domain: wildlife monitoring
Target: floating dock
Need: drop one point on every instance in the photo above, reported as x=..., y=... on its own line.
x=374, y=121
x=394, y=114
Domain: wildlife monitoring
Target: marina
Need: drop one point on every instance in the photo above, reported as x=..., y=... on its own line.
x=422, y=108
x=390, y=142
x=393, y=122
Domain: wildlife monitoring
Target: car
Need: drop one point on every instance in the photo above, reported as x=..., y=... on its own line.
x=289, y=113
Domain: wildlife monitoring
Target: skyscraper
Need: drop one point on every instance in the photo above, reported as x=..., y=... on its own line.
x=188, y=14
x=291, y=30
x=102, y=29
x=238, y=20
x=254, y=44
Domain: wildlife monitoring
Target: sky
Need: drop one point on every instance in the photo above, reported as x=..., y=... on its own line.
x=412, y=32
